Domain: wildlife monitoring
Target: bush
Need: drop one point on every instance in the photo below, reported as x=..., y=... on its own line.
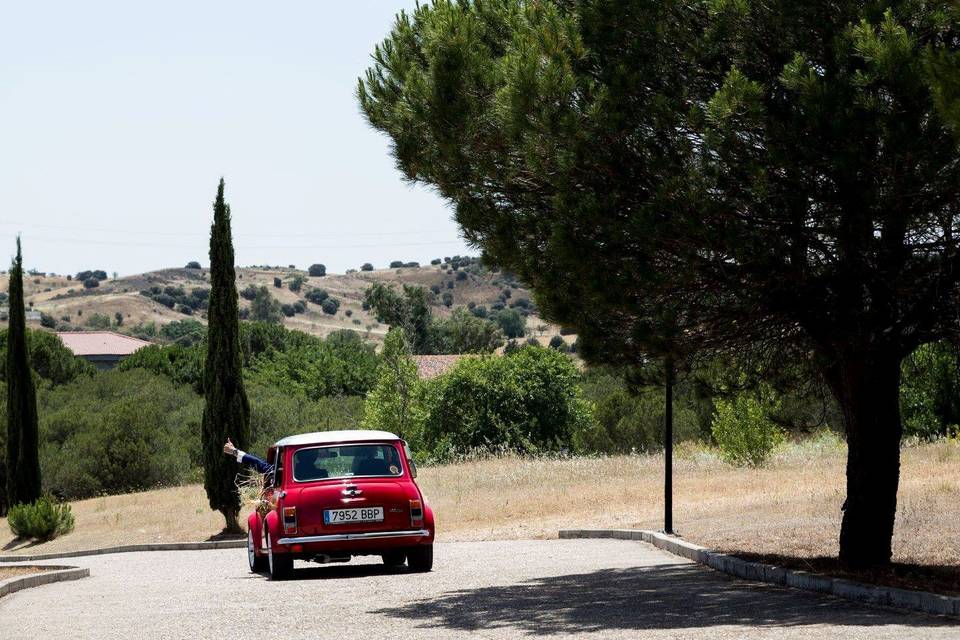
x=461, y=276
x=330, y=306
x=447, y=299
x=98, y=321
x=527, y=401
x=366, y=266
x=288, y=310
x=348, y=312
x=43, y=520
x=317, y=270
x=299, y=306
x=278, y=283
x=396, y=264
x=264, y=308
x=744, y=432
x=511, y=323
x=91, y=283
x=48, y=321
x=317, y=296
x=556, y=342
x=297, y=283
x=435, y=261
x=98, y=274
x=184, y=332
x=435, y=289
x=193, y=264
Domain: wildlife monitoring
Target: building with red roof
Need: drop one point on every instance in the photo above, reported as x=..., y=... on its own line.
x=103, y=348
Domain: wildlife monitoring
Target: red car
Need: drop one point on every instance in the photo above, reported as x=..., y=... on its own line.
x=337, y=494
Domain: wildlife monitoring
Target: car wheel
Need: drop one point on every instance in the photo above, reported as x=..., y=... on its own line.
x=257, y=563
x=279, y=564
x=394, y=558
x=420, y=558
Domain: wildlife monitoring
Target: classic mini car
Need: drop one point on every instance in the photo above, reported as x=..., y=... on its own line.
x=337, y=494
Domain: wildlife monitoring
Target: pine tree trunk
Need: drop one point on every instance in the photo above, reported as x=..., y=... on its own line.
x=231, y=521
x=867, y=388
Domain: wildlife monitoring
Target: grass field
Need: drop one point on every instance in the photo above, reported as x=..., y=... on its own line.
x=791, y=508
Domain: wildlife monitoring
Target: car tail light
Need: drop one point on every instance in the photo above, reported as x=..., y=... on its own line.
x=289, y=519
x=416, y=513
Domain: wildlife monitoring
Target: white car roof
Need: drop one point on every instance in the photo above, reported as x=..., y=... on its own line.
x=326, y=437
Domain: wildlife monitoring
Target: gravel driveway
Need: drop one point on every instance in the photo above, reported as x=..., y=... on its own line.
x=558, y=588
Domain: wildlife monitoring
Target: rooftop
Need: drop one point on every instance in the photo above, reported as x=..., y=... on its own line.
x=100, y=343
x=327, y=437
x=433, y=366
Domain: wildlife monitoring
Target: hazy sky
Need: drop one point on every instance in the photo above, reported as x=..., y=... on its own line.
x=117, y=119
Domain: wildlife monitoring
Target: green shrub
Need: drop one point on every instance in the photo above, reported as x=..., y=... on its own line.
x=528, y=401
x=744, y=431
x=43, y=520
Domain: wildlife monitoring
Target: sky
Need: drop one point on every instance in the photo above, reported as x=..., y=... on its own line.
x=117, y=120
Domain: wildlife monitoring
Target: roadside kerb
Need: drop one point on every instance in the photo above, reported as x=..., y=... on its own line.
x=921, y=601
x=47, y=575
x=132, y=548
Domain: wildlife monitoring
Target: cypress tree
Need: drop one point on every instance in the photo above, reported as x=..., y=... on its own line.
x=23, y=458
x=226, y=412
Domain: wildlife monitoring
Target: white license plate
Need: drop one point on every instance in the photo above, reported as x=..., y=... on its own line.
x=346, y=516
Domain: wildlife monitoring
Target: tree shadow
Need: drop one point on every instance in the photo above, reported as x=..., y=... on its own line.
x=673, y=596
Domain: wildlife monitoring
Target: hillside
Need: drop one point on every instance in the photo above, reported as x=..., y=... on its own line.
x=72, y=305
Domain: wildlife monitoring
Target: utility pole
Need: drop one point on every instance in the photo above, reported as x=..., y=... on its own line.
x=668, y=447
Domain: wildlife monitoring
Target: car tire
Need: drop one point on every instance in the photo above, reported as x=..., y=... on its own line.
x=420, y=558
x=257, y=563
x=394, y=558
x=280, y=565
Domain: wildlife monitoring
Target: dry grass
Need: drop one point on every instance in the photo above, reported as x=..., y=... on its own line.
x=16, y=572
x=791, y=508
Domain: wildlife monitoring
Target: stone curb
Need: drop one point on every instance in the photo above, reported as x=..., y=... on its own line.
x=921, y=601
x=59, y=574
x=131, y=548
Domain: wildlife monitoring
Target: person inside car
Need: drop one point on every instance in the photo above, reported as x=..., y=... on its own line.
x=248, y=459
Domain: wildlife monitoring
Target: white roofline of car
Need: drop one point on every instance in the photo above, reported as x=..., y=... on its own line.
x=329, y=437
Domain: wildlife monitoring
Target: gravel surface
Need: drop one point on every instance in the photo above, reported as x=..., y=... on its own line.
x=559, y=588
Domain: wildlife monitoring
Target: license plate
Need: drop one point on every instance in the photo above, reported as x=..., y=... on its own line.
x=346, y=516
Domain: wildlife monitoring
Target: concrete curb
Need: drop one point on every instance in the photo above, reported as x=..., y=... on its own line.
x=132, y=548
x=921, y=601
x=47, y=576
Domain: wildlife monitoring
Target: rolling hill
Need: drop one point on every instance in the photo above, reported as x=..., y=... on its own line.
x=72, y=305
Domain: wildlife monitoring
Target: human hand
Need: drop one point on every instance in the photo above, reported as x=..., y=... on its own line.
x=229, y=449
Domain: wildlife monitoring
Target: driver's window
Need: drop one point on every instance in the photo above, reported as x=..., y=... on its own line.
x=277, y=475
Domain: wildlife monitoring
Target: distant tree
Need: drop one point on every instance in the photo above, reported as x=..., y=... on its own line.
x=479, y=311
x=412, y=265
x=396, y=264
x=511, y=322
x=435, y=288
x=447, y=299
x=114, y=275
x=394, y=404
x=297, y=283
x=47, y=321
x=118, y=319
x=461, y=276
x=556, y=342
x=409, y=310
x=299, y=306
x=317, y=296
x=464, y=333
x=278, y=283
x=366, y=266
x=249, y=292
x=330, y=306
x=23, y=456
x=317, y=270
x=226, y=411
x=193, y=264
x=348, y=312
x=288, y=310
x=435, y=261
x=264, y=308
x=91, y=283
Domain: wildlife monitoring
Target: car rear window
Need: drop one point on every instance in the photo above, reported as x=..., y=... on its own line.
x=345, y=461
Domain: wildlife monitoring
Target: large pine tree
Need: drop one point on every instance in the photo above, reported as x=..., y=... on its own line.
x=23, y=460
x=226, y=413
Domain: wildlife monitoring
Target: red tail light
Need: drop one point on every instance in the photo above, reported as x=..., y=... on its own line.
x=416, y=513
x=289, y=519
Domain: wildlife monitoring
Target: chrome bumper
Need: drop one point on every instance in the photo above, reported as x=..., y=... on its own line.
x=372, y=535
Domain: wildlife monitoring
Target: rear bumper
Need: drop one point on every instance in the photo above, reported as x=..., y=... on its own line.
x=344, y=537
